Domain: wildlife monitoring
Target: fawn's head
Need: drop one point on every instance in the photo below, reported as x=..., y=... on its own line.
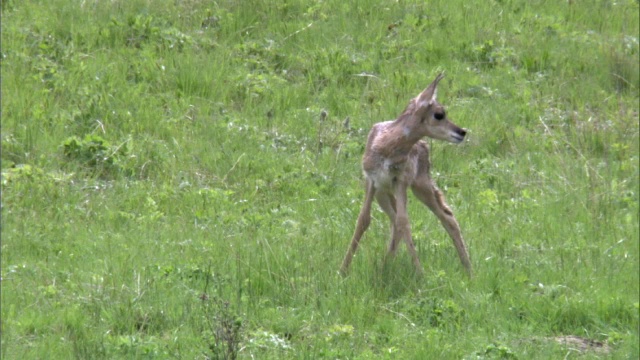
x=424, y=116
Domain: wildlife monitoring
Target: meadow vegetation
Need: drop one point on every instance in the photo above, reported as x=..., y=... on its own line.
x=170, y=190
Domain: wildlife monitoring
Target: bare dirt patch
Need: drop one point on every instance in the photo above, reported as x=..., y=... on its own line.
x=581, y=344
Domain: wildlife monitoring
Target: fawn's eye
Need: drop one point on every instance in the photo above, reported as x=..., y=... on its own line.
x=439, y=115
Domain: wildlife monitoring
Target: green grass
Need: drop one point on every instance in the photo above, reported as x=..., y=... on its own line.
x=169, y=191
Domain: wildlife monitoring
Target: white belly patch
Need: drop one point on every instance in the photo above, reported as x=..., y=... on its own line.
x=383, y=178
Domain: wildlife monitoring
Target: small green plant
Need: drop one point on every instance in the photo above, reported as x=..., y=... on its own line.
x=493, y=351
x=21, y=172
x=95, y=153
x=339, y=332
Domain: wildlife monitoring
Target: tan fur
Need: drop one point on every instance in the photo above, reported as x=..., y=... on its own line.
x=396, y=159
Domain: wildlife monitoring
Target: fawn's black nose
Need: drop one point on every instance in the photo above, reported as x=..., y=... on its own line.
x=461, y=132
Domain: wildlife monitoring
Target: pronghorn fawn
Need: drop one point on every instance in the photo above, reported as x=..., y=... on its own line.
x=395, y=159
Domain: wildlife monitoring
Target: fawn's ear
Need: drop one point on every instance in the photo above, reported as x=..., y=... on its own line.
x=427, y=98
x=429, y=94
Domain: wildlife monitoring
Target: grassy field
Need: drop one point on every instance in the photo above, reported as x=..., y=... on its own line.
x=169, y=189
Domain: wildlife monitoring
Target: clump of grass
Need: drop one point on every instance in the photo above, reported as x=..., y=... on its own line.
x=224, y=332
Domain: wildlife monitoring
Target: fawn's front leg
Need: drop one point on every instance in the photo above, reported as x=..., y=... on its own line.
x=427, y=192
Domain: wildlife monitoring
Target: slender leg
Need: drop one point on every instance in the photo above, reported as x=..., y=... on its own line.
x=388, y=204
x=425, y=190
x=364, y=219
x=403, y=228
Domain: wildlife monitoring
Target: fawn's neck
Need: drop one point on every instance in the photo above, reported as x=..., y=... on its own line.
x=396, y=140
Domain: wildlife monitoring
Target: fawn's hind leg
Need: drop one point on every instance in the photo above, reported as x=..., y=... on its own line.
x=364, y=219
x=387, y=203
x=402, y=228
